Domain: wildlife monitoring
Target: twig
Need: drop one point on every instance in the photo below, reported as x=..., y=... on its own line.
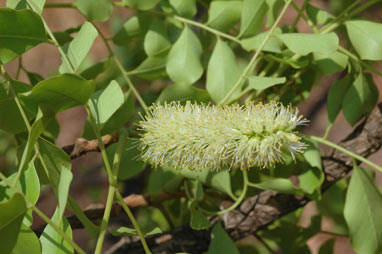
x=83, y=146
x=259, y=211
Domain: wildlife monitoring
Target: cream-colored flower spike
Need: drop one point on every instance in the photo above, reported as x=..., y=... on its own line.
x=203, y=136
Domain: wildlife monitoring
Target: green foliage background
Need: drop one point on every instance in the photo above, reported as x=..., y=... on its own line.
x=205, y=51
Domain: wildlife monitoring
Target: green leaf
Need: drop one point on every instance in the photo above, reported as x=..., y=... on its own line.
x=141, y=4
x=318, y=16
x=156, y=41
x=98, y=10
x=134, y=27
x=222, y=73
x=62, y=37
x=198, y=190
x=11, y=217
x=252, y=17
x=152, y=68
x=52, y=241
x=185, y=55
x=221, y=242
x=120, y=117
x=36, y=130
x=223, y=15
x=273, y=11
x=281, y=185
x=304, y=44
x=335, y=97
x=363, y=207
x=184, y=8
x=360, y=98
x=28, y=184
x=125, y=231
x=93, y=71
x=104, y=103
x=198, y=220
x=331, y=63
x=183, y=93
x=261, y=83
x=366, y=38
x=312, y=177
x=79, y=47
x=220, y=180
x=56, y=160
x=130, y=165
x=27, y=242
x=66, y=177
x=61, y=92
x=10, y=117
x=327, y=247
x=19, y=32
x=312, y=154
x=38, y=5
x=272, y=45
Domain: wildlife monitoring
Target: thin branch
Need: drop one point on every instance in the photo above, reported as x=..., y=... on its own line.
x=259, y=211
x=83, y=146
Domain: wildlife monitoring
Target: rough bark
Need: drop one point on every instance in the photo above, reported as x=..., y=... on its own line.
x=259, y=211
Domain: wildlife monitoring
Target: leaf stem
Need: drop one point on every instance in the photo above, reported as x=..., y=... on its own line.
x=121, y=69
x=112, y=184
x=44, y=217
x=339, y=19
x=237, y=202
x=249, y=66
x=345, y=151
x=207, y=28
x=134, y=222
x=51, y=35
x=355, y=58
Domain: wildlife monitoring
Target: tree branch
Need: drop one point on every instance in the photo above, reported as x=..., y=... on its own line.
x=257, y=212
x=83, y=146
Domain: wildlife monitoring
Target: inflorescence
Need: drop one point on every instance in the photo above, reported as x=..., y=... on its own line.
x=199, y=136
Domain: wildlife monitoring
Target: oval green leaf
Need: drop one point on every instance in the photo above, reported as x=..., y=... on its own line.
x=61, y=92
x=366, y=38
x=221, y=242
x=360, y=98
x=156, y=41
x=183, y=61
x=184, y=8
x=11, y=216
x=98, y=10
x=335, y=97
x=19, y=32
x=27, y=242
x=223, y=15
x=272, y=45
x=304, y=44
x=79, y=47
x=222, y=73
x=103, y=104
x=363, y=207
x=261, y=83
x=252, y=17
x=52, y=241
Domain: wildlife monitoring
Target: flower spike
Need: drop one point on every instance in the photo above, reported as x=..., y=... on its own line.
x=198, y=136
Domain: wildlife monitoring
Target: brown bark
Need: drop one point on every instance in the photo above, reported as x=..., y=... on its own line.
x=259, y=211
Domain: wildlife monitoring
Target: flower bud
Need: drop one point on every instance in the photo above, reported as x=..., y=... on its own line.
x=199, y=136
